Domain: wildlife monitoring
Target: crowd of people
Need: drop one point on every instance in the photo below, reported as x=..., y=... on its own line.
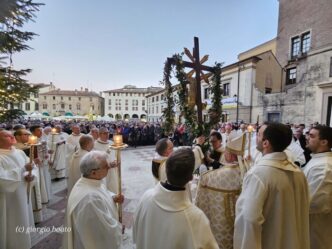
x=267, y=186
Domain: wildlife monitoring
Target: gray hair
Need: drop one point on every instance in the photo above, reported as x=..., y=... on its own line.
x=92, y=160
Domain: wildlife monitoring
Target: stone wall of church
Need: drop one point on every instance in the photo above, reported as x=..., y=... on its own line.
x=303, y=101
x=314, y=16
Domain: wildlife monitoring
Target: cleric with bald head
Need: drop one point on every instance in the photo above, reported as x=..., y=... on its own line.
x=14, y=208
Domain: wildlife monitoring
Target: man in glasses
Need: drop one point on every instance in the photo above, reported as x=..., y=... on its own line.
x=91, y=212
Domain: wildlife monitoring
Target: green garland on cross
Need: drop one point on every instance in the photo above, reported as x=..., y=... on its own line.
x=168, y=112
x=190, y=115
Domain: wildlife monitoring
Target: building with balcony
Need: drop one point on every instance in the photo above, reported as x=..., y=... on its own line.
x=304, y=51
x=78, y=102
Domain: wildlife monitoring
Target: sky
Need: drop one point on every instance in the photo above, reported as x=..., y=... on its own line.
x=106, y=44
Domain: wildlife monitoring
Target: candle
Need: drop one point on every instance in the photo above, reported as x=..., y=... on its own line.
x=53, y=130
x=117, y=139
x=32, y=140
x=250, y=128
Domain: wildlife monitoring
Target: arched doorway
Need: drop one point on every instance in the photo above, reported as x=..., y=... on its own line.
x=135, y=116
x=143, y=116
x=110, y=115
x=126, y=116
x=118, y=116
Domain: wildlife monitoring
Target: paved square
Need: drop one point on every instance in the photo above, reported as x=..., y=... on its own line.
x=136, y=179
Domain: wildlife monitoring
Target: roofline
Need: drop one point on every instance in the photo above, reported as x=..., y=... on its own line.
x=260, y=45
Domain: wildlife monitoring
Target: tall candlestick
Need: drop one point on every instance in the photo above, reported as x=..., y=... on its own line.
x=32, y=146
x=250, y=130
x=53, y=133
x=118, y=146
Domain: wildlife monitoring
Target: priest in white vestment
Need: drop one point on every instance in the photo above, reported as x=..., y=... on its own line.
x=72, y=144
x=272, y=211
x=14, y=208
x=57, y=144
x=166, y=218
x=42, y=161
x=91, y=211
x=318, y=172
x=103, y=144
x=164, y=147
x=219, y=189
x=74, y=172
x=22, y=138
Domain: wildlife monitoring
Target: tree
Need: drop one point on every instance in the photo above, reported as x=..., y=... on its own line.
x=14, y=89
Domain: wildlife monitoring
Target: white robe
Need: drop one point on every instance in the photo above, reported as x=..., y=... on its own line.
x=167, y=219
x=111, y=180
x=295, y=152
x=36, y=200
x=14, y=209
x=56, y=144
x=44, y=173
x=92, y=216
x=74, y=172
x=72, y=145
x=272, y=210
x=319, y=175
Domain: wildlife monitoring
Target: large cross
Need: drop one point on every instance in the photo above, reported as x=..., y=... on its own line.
x=197, y=65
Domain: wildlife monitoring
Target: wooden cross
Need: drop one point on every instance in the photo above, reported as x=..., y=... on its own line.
x=197, y=67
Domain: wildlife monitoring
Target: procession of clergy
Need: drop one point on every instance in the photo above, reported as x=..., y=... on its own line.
x=256, y=189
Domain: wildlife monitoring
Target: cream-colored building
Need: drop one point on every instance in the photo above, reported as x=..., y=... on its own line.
x=32, y=105
x=78, y=102
x=156, y=104
x=256, y=72
x=128, y=102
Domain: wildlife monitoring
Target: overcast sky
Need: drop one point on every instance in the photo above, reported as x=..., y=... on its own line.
x=106, y=44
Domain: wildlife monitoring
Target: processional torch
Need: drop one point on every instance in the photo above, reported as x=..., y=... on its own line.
x=32, y=142
x=250, y=129
x=53, y=148
x=118, y=145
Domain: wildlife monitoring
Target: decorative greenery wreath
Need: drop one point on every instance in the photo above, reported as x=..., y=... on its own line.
x=189, y=113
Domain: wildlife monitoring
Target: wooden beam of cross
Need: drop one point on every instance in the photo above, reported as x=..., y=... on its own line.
x=197, y=65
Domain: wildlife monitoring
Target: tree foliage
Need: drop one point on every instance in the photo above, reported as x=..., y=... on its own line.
x=14, y=89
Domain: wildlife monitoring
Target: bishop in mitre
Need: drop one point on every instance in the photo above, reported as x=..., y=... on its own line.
x=219, y=189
